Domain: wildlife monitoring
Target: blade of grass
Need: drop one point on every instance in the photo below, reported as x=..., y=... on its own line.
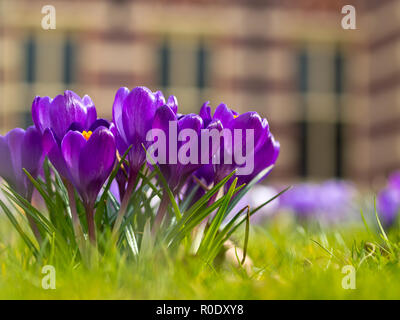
x=164, y=182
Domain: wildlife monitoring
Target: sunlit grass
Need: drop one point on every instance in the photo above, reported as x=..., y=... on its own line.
x=290, y=261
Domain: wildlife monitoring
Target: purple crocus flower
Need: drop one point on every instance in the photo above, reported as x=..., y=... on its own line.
x=265, y=149
x=54, y=118
x=21, y=149
x=88, y=158
x=174, y=170
x=133, y=114
x=63, y=113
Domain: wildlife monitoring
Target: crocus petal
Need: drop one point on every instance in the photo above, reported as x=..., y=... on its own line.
x=138, y=113
x=66, y=109
x=173, y=103
x=96, y=161
x=265, y=156
x=40, y=112
x=32, y=150
x=71, y=147
x=161, y=121
x=99, y=123
x=214, y=147
x=120, y=96
x=191, y=121
x=224, y=114
x=119, y=141
x=194, y=122
x=206, y=173
x=205, y=113
x=53, y=151
x=14, y=139
x=75, y=126
x=247, y=121
x=162, y=118
x=6, y=167
x=160, y=100
x=91, y=113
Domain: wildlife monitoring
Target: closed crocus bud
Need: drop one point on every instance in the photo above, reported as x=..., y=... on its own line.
x=133, y=114
x=247, y=144
x=185, y=148
x=20, y=149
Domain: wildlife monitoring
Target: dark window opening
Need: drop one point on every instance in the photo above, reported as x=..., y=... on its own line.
x=30, y=51
x=201, y=66
x=303, y=86
x=165, y=53
x=68, y=61
x=339, y=141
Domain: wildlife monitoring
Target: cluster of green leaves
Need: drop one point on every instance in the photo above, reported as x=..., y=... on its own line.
x=198, y=228
x=291, y=261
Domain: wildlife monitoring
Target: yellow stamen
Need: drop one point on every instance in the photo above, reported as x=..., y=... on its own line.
x=235, y=116
x=87, y=134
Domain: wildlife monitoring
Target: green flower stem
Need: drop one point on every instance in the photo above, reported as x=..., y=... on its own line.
x=34, y=228
x=162, y=209
x=80, y=238
x=32, y=222
x=124, y=203
x=91, y=224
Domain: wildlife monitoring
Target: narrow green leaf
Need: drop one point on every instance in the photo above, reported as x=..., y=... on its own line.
x=164, y=182
x=247, y=187
x=17, y=227
x=211, y=232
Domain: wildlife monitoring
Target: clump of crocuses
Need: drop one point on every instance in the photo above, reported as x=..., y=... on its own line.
x=87, y=153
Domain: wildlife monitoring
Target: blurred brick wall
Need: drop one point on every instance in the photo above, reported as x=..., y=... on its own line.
x=330, y=95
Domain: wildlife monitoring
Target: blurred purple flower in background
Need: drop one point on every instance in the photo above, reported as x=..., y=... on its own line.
x=388, y=200
x=301, y=199
x=330, y=201
x=21, y=149
x=388, y=205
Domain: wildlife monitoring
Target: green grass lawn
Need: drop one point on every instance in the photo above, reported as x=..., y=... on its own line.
x=290, y=261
